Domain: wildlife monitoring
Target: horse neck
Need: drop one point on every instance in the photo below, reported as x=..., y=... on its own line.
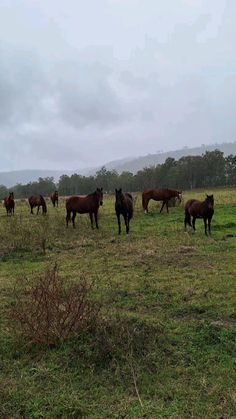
x=206, y=205
x=174, y=193
x=94, y=199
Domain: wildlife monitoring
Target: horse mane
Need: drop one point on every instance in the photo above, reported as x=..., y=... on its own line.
x=93, y=193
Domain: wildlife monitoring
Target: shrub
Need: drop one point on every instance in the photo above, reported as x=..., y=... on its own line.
x=49, y=313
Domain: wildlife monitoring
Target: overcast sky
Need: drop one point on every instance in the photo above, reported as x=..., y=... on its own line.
x=86, y=82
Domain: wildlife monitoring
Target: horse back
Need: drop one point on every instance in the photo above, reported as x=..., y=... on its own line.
x=81, y=204
x=162, y=194
x=198, y=208
x=129, y=203
x=189, y=203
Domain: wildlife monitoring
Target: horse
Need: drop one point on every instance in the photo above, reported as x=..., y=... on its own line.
x=54, y=199
x=84, y=205
x=124, y=206
x=199, y=209
x=37, y=201
x=9, y=204
x=163, y=195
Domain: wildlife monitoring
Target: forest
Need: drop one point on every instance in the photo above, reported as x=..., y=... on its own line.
x=211, y=169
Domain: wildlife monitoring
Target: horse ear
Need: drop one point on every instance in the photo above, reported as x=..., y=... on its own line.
x=120, y=189
x=101, y=189
x=116, y=190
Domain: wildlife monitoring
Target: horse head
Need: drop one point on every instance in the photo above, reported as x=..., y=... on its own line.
x=179, y=195
x=99, y=193
x=209, y=201
x=119, y=195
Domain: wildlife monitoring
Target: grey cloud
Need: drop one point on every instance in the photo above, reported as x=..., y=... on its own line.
x=78, y=89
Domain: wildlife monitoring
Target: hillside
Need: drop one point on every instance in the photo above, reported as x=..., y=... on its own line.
x=133, y=165
x=128, y=164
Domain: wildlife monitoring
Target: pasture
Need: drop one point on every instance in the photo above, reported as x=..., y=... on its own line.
x=166, y=344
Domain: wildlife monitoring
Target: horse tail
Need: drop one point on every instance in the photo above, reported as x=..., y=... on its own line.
x=144, y=202
x=187, y=218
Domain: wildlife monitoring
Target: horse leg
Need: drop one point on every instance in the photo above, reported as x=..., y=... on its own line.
x=119, y=226
x=167, y=208
x=193, y=223
x=96, y=219
x=205, y=225
x=91, y=219
x=126, y=217
x=209, y=225
x=31, y=209
x=73, y=218
x=38, y=210
x=163, y=203
x=146, y=206
x=187, y=220
x=68, y=218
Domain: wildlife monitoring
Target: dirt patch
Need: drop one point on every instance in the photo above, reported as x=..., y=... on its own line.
x=187, y=249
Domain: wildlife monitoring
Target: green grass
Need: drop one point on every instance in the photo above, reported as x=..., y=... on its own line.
x=168, y=300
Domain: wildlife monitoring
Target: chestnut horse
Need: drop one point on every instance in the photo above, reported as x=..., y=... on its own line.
x=37, y=201
x=163, y=195
x=124, y=206
x=54, y=199
x=9, y=204
x=84, y=205
x=197, y=209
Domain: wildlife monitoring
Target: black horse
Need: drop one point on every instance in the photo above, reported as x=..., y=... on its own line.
x=199, y=209
x=124, y=206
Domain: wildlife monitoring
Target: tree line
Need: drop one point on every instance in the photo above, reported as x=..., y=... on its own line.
x=208, y=170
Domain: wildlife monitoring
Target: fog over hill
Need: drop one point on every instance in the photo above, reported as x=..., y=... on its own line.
x=10, y=179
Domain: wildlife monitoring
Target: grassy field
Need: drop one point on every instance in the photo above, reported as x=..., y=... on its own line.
x=167, y=347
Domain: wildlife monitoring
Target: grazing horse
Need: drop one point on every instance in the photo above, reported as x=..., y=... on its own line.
x=84, y=205
x=124, y=206
x=9, y=204
x=197, y=209
x=37, y=201
x=163, y=195
x=54, y=199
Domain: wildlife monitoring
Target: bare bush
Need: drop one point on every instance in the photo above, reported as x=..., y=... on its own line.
x=49, y=313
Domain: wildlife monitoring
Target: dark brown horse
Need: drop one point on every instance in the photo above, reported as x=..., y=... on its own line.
x=9, y=204
x=197, y=209
x=163, y=195
x=37, y=201
x=54, y=199
x=84, y=205
x=124, y=206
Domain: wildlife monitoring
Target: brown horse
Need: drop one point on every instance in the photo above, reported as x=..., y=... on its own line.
x=197, y=209
x=9, y=204
x=124, y=206
x=84, y=205
x=54, y=199
x=37, y=201
x=163, y=195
